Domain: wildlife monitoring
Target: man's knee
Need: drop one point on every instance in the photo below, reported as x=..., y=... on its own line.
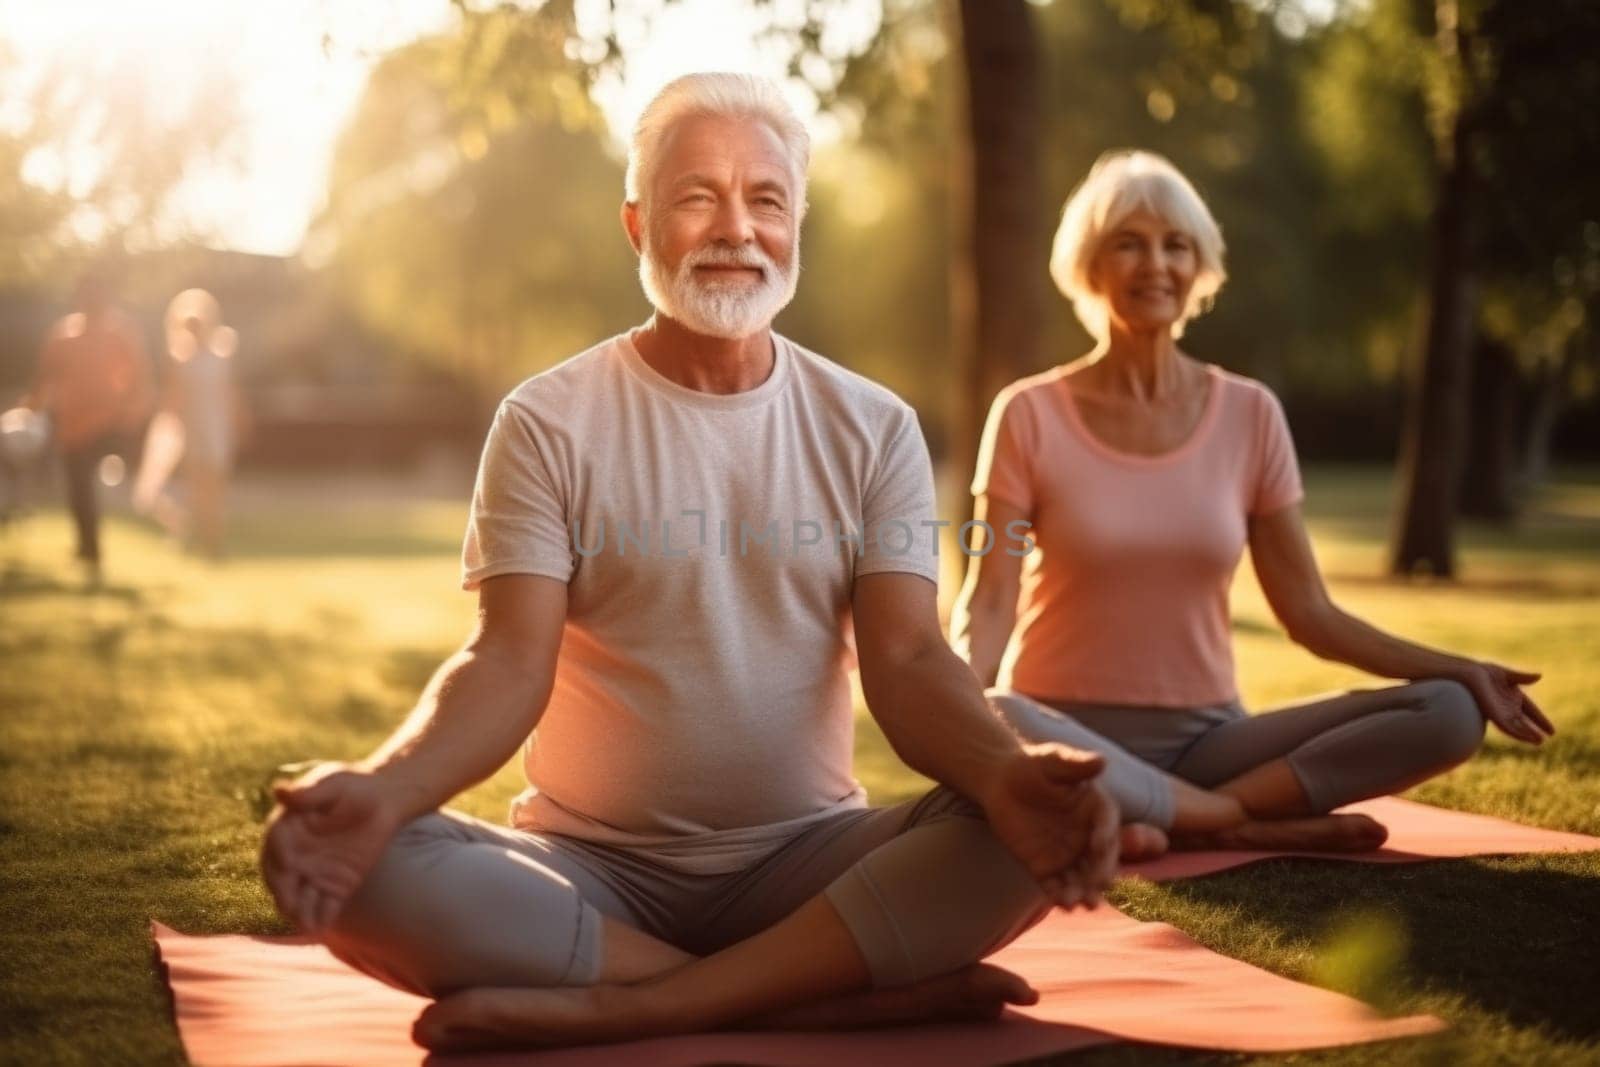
x=936, y=899
x=376, y=931
x=391, y=882
x=1456, y=720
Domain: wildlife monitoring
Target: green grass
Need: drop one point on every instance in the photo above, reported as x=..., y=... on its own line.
x=138, y=724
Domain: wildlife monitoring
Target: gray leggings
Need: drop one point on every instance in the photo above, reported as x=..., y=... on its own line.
x=1361, y=744
x=924, y=887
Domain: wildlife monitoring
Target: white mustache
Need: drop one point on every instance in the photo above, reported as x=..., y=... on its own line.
x=717, y=257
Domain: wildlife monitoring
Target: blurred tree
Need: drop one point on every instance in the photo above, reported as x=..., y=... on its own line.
x=882, y=221
x=31, y=216
x=472, y=229
x=1453, y=61
x=93, y=161
x=997, y=294
x=1541, y=253
x=1509, y=89
x=1469, y=122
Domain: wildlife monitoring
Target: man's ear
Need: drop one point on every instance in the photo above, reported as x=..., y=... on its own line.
x=631, y=225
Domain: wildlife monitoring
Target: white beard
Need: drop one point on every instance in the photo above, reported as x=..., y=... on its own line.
x=716, y=310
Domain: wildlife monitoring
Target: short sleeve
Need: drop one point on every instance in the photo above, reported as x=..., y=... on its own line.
x=1278, y=472
x=518, y=521
x=899, y=527
x=1005, y=453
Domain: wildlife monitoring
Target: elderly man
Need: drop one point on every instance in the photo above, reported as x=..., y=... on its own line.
x=692, y=514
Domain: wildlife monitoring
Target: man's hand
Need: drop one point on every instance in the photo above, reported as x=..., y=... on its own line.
x=1048, y=809
x=1498, y=691
x=326, y=834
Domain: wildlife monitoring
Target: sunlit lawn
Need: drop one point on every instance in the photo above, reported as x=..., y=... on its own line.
x=137, y=725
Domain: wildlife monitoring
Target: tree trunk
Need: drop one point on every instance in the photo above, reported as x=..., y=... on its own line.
x=1550, y=393
x=1430, y=458
x=997, y=288
x=1489, y=489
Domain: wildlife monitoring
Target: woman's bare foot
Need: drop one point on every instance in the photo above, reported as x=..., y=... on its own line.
x=981, y=991
x=1317, y=833
x=1141, y=841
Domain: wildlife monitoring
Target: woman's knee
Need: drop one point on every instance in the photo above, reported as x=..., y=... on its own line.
x=1024, y=714
x=1038, y=722
x=1457, y=721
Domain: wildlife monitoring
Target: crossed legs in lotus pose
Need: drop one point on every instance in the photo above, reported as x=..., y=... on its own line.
x=871, y=916
x=1218, y=777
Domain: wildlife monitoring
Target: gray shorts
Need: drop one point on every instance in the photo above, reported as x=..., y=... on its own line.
x=924, y=887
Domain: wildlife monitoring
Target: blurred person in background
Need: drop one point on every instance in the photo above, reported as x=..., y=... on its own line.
x=201, y=418
x=24, y=442
x=94, y=384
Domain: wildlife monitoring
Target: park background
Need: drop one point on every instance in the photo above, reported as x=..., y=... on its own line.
x=406, y=210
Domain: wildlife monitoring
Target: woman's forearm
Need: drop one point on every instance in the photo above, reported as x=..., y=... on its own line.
x=979, y=631
x=1335, y=634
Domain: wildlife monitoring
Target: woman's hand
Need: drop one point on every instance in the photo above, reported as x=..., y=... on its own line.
x=1498, y=691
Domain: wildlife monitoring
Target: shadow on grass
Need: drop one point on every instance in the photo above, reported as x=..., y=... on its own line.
x=1514, y=937
x=19, y=581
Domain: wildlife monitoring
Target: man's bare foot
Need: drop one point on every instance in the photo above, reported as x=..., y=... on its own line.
x=981, y=991
x=1141, y=841
x=491, y=1018
x=479, y=1019
x=1318, y=833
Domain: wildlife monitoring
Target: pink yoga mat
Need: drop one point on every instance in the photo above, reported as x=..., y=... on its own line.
x=1416, y=832
x=251, y=1002
x=255, y=1002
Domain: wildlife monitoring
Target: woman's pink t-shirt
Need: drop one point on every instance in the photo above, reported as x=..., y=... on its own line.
x=1125, y=598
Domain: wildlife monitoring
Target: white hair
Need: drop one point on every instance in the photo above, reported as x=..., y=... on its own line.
x=1119, y=184
x=730, y=95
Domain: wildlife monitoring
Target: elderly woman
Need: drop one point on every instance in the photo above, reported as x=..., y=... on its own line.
x=1144, y=472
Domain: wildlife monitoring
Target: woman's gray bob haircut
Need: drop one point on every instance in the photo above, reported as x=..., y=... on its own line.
x=731, y=95
x=1119, y=184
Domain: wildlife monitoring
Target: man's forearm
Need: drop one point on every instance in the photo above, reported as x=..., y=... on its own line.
x=934, y=715
x=475, y=712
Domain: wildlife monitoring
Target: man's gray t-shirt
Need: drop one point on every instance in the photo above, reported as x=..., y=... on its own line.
x=702, y=706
